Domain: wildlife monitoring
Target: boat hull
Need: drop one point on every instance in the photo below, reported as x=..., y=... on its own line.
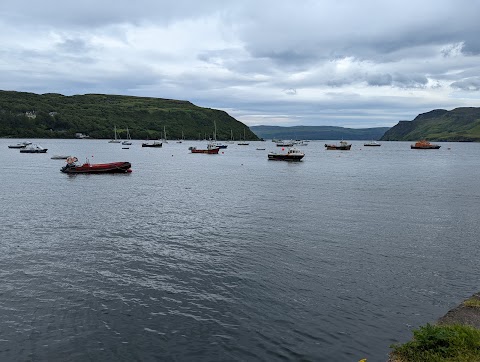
x=24, y=150
x=340, y=148
x=152, y=145
x=372, y=145
x=114, y=167
x=432, y=147
x=212, y=151
x=277, y=157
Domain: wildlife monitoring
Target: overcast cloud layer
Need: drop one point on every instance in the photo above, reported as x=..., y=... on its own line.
x=342, y=62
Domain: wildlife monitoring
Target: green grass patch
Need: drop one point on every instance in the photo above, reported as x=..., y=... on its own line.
x=472, y=302
x=434, y=343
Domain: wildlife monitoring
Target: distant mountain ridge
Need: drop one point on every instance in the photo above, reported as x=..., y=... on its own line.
x=319, y=132
x=457, y=125
x=54, y=115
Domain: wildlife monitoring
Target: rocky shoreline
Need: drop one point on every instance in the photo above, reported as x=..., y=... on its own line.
x=464, y=314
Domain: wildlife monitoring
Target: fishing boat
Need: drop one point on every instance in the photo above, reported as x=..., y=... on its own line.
x=372, y=144
x=154, y=144
x=343, y=146
x=33, y=149
x=293, y=154
x=211, y=149
x=87, y=167
x=424, y=145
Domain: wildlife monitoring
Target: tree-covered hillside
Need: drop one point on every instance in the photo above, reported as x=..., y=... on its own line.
x=58, y=116
x=459, y=124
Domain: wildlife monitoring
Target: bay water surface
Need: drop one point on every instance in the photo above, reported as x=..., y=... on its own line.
x=232, y=257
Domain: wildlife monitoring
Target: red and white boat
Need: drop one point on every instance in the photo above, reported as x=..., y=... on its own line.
x=212, y=149
x=87, y=167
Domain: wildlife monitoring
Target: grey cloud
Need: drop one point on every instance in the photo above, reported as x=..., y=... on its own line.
x=290, y=91
x=74, y=46
x=410, y=81
x=470, y=84
x=379, y=79
x=88, y=13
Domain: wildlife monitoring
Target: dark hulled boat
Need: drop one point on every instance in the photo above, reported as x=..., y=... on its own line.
x=154, y=144
x=293, y=154
x=343, y=146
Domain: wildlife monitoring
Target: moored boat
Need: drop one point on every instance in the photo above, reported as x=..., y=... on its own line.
x=211, y=149
x=20, y=145
x=115, y=139
x=343, y=146
x=87, y=167
x=154, y=144
x=128, y=141
x=293, y=154
x=424, y=145
x=33, y=149
x=372, y=144
x=220, y=145
x=285, y=143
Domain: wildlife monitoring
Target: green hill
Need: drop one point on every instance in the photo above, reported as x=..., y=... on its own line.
x=318, y=132
x=57, y=116
x=459, y=124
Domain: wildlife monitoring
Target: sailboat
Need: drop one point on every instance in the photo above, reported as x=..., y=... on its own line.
x=183, y=138
x=115, y=139
x=215, y=142
x=231, y=137
x=164, y=135
x=128, y=141
x=244, y=142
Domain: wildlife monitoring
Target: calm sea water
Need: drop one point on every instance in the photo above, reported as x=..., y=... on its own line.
x=231, y=257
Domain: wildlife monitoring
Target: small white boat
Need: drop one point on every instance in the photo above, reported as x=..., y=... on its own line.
x=33, y=149
x=372, y=144
x=285, y=144
x=20, y=145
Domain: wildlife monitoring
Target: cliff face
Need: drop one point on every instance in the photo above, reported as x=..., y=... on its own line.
x=459, y=124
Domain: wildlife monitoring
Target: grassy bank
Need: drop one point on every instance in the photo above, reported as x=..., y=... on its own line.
x=455, y=338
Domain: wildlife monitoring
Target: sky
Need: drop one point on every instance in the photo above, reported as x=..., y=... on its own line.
x=347, y=63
